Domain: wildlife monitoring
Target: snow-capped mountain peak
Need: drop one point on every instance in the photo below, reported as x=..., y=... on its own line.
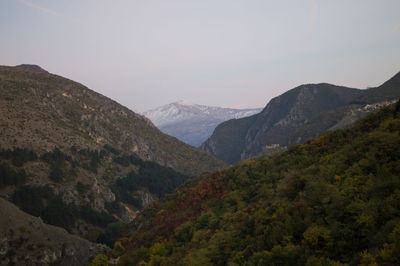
x=183, y=119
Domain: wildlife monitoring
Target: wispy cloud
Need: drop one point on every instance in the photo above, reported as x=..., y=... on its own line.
x=313, y=16
x=48, y=11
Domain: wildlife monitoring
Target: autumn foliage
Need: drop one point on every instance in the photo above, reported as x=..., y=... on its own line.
x=333, y=201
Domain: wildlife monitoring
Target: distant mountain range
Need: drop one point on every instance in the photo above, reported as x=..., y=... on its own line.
x=193, y=123
x=295, y=116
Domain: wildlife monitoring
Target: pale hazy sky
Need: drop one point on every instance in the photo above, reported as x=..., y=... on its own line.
x=228, y=53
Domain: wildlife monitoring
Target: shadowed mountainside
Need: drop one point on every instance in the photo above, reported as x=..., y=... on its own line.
x=295, y=116
x=271, y=128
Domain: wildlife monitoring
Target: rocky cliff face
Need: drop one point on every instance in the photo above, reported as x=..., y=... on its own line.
x=193, y=123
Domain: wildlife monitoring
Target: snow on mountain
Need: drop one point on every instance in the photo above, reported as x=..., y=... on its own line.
x=193, y=123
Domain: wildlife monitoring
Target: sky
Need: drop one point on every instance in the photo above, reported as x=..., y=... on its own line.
x=228, y=53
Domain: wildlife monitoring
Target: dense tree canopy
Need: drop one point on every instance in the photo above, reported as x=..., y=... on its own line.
x=333, y=201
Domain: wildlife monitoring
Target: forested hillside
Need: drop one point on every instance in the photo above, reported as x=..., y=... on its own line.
x=334, y=200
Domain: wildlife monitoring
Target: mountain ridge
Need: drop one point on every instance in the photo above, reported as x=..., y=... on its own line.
x=78, y=110
x=280, y=117
x=300, y=113
x=32, y=67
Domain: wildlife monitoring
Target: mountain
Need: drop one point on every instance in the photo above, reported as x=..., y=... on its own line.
x=387, y=91
x=271, y=128
x=81, y=161
x=295, y=116
x=193, y=123
x=32, y=67
x=331, y=201
x=42, y=111
x=26, y=240
x=343, y=117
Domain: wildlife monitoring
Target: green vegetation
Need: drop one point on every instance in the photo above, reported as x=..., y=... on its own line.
x=91, y=159
x=18, y=156
x=101, y=219
x=113, y=232
x=332, y=201
x=82, y=188
x=111, y=149
x=126, y=160
x=8, y=176
x=157, y=179
x=99, y=260
x=56, y=159
x=41, y=201
x=44, y=202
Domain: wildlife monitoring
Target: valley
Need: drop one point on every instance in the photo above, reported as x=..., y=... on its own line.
x=226, y=133
x=81, y=162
